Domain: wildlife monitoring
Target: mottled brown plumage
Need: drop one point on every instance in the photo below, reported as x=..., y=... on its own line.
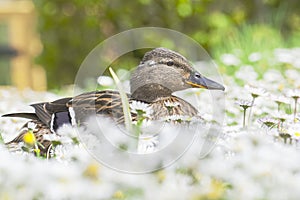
x=39, y=131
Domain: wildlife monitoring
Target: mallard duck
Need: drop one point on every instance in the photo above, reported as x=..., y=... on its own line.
x=160, y=73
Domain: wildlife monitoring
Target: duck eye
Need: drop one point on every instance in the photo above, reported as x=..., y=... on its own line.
x=197, y=75
x=170, y=63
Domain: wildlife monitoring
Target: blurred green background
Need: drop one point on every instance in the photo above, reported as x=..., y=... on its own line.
x=71, y=29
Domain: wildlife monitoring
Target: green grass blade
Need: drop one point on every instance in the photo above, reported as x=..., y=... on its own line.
x=124, y=99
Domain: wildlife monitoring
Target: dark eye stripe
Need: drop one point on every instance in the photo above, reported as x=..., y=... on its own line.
x=173, y=64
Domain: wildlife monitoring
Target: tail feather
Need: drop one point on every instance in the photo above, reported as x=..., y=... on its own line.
x=22, y=115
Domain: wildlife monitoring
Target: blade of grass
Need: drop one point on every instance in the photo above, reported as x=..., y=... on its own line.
x=124, y=99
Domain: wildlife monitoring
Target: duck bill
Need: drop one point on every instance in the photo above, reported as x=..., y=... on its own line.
x=206, y=83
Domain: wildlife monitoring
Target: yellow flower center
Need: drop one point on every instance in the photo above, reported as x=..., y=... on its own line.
x=297, y=134
x=280, y=87
x=119, y=195
x=29, y=138
x=92, y=171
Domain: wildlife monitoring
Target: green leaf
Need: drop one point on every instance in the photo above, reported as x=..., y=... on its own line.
x=184, y=9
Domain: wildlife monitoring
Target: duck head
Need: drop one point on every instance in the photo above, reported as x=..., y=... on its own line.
x=162, y=72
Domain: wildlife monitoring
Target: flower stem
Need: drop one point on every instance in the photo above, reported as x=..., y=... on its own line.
x=278, y=106
x=244, y=118
x=295, y=108
x=250, y=112
x=284, y=140
x=1, y=138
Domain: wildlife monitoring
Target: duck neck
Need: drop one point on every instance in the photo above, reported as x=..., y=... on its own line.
x=151, y=92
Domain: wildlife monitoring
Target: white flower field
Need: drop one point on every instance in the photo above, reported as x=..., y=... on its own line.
x=255, y=157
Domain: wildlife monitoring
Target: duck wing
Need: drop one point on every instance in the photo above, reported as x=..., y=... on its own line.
x=45, y=110
x=106, y=102
x=77, y=109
